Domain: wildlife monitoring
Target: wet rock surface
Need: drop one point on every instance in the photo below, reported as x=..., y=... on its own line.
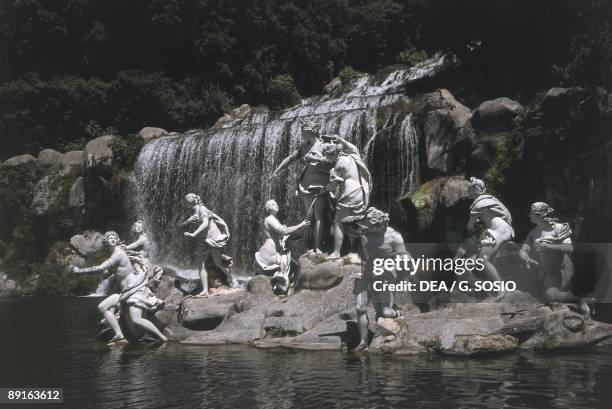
x=325, y=319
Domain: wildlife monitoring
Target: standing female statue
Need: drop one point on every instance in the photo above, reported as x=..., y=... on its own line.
x=547, y=248
x=273, y=258
x=313, y=179
x=217, y=236
x=135, y=295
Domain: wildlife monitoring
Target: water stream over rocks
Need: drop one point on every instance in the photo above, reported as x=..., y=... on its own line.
x=229, y=166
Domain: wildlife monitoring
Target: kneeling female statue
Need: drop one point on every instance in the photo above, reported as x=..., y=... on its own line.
x=273, y=258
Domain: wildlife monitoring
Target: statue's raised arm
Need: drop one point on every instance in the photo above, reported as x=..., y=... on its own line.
x=117, y=258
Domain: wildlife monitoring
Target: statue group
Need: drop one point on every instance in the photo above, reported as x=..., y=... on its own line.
x=334, y=187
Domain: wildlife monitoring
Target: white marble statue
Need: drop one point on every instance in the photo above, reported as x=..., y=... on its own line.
x=135, y=295
x=274, y=258
x=491, y=223
x=216, y=237
x=547, y=250
x=350, y=185
x=313, y=180
x=378, y=241
x=139, y=253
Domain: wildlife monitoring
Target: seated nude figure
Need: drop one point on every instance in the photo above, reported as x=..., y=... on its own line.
x=135, y=295
x=273, y=258
x=547, y=249
x=378, y=240
x=350, y=183
x=492, y=223
x=313, y=179
x=217, y=235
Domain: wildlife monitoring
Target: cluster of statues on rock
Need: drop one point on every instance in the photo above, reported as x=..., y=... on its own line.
x=334, y=187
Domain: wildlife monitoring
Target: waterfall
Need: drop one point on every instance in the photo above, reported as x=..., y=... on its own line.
x=229, y=167
x=102, y=289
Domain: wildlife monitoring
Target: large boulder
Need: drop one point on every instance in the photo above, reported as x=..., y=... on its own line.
x=147, y=134
x=48, y=158
x=562, y=106
x=99, y=152
x=22, y=161
x=496, y=115
x=50, y=195
x=260, y=285
x=316, y=273
x=446, y=129
x=72, y=163
x=465, y=329
x=554, y=327
x=439, y=207
x=87, y=243
x=206, y=313
x=63, y=255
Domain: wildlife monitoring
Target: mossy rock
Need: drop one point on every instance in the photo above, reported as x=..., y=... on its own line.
x=425, y=201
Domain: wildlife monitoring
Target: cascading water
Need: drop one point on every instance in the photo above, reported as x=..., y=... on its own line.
x=230, y=167
x=103, y=287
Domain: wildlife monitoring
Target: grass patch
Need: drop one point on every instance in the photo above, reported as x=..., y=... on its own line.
x=434, y=345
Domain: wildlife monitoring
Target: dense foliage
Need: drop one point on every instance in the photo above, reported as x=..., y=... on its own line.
x=71, y=67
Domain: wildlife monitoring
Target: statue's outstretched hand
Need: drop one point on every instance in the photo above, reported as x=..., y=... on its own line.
x=188, y=234
x=305, y=223
x=74, y=269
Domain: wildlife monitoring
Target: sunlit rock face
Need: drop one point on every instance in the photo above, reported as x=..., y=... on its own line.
x=229, y=166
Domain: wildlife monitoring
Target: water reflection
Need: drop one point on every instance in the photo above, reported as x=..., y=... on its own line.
x=51, y=342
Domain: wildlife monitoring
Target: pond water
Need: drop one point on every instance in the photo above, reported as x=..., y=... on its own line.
x=51, y=342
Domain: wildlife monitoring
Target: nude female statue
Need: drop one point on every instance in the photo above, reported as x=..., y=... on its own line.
x=492, y=222
x=217, y=236
x=378, y=240
x=273, y=257
x=550, y=245
x=350, y=184
x=135, y=295
x=139, y=252
x=313, y=179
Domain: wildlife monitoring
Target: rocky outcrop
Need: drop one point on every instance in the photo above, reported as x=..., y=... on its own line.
x=73, y=163
x=439, y=207
x=261, y=316
x=446, y=129
x=48, y=158
x=26, y=161
x=99, y=152
x=315, y=273
x=51, y=195
x=496, y=115
x=237, y=114
x=147, y=134
x=87, y=243
x=325, y=320
x=491, y=327
x=77, y=193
